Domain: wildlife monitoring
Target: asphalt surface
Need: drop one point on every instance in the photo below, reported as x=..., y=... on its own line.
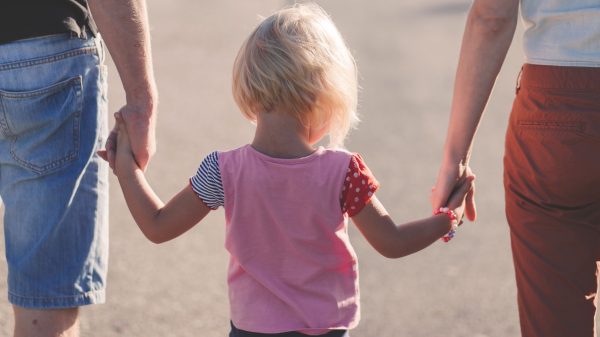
x=406, y=54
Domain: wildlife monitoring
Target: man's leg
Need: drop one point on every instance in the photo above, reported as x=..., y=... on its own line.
x=52, y=183
x=46, y=323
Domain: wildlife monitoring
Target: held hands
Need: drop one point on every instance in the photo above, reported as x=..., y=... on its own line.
x=141, y=128
x=457, y=200
x=456, y=205
x=452, y=179
x=119, y=152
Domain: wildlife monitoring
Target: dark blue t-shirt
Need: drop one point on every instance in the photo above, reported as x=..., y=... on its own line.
x=21, y=19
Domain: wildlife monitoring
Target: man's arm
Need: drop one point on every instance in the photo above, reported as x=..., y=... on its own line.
x=124, y=27
x=488, y=34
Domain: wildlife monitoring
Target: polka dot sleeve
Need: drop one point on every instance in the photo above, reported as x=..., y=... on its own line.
x=359, y=186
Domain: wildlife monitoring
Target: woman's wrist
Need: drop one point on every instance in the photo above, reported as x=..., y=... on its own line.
x=453, y=159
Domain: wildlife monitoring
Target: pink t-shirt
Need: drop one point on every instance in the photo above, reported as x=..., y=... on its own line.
x=292, y=267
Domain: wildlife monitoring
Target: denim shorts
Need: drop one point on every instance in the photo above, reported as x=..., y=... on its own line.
x=53, y=119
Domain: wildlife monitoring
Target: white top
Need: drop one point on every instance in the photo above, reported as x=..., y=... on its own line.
x=562, y=32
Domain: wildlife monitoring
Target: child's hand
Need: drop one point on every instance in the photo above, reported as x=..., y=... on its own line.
x=124, y=159
x=110, y=148
x=456, y=202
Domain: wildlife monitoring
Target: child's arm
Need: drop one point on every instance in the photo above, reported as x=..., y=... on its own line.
x=394, y=241
x=158, y=222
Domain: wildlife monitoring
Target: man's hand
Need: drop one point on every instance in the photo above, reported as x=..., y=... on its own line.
x=141, y=136
x=141, y=128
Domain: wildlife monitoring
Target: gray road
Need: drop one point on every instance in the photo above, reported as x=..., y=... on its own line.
x=406, y=53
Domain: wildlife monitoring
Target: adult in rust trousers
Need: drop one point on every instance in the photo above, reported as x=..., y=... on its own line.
x=552, y=155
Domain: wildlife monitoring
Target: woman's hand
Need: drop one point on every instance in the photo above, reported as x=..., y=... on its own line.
x=460, y=194
x=450, y=179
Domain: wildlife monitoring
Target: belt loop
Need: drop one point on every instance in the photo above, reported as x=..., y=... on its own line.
x=84, y=33
x=518, y=84
x=100, y=47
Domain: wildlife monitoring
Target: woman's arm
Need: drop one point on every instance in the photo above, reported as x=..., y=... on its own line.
x=488, y=34
x=158, y=221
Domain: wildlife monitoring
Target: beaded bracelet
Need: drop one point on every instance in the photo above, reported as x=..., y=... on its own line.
x=453, y=221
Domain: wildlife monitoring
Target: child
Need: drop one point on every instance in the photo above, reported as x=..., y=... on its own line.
x=292, y=270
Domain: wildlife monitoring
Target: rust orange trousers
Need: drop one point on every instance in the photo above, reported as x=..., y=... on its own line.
x=552, y=184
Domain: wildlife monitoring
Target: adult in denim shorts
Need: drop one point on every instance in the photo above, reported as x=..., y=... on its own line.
x=53, y=121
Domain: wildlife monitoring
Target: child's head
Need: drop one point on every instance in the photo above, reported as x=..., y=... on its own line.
x=296, y=62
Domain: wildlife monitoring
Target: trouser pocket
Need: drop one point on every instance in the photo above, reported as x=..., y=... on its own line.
x=43, y=125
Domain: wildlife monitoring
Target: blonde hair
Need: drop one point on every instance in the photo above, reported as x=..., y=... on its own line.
x=296, y=62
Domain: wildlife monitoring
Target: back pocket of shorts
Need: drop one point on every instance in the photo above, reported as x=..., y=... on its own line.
x=44, y=125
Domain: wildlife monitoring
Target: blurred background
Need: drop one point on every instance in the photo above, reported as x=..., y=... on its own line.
x=406, y=53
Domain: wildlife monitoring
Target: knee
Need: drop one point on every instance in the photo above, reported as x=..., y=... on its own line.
x=51, y=322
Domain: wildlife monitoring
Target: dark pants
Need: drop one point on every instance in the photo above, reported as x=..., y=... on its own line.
x=235, y=332
x=552, y=183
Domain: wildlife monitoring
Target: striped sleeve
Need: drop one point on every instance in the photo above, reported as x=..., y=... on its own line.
x=207, y=182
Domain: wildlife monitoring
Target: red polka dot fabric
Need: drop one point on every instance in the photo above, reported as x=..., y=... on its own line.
x=359, y=186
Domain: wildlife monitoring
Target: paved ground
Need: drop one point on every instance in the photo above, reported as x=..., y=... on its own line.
x=406, y=53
